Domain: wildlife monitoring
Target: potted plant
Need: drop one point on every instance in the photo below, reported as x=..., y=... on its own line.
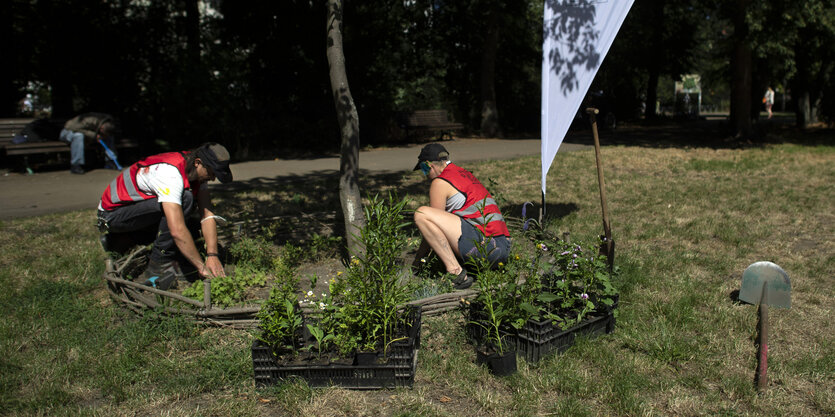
x=537, y=303
x=491, y=311
x=359, y=328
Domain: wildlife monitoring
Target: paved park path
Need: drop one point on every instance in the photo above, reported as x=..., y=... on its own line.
x=59, y=191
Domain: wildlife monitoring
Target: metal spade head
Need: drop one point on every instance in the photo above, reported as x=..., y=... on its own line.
x=760, y=274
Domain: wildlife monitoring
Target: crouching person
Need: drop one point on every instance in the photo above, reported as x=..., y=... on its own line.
x=157, y=195
x=461, y=214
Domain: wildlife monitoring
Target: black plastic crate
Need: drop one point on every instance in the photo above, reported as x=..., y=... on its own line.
x=397, y=371
x=548, y=338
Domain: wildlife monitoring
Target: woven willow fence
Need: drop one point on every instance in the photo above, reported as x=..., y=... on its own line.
x=141, y=298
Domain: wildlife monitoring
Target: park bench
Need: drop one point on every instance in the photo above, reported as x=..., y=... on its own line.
x=11, y=127
x=428, y=122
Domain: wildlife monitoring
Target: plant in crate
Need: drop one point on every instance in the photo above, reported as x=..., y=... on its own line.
x=363, y=311
x=575, y=278
x=361, y=314
x=495, y=306
x=579, y=281
x=281, y=321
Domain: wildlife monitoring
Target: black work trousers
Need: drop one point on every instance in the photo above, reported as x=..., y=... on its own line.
x=143, y=222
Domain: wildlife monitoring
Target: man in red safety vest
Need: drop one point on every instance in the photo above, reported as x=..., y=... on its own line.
x=154, y=197
x=461, y=214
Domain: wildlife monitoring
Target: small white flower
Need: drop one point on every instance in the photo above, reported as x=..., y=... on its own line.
x=310, y=293
x=321, y=306
x=324, y=295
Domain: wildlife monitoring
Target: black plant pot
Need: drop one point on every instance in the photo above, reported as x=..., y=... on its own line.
x=499, y=364
x=365, y=358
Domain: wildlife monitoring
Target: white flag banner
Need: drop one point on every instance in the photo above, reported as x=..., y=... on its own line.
x=577, y=36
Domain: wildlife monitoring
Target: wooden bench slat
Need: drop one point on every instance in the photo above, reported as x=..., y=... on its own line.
x=28, y=148
x=429, y=121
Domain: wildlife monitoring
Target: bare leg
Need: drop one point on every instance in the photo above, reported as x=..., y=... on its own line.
x=441, y=231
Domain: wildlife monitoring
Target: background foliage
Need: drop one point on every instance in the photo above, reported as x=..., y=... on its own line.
x=254, y=75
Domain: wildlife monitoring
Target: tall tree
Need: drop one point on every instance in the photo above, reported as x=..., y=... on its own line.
x=346, y=114
x=741, y=58
x=813, y=55
x=489, y=112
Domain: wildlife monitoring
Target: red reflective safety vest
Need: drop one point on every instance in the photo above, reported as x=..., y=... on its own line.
x=124, y=190
x=479, y=207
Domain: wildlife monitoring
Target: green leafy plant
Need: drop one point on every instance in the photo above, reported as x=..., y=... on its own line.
x=497, y=292
x=364, y=308
x=574, y=281
x=320, y=336
x=279, y=317
x=231, y=289
x=321, y=246
x=256, y=251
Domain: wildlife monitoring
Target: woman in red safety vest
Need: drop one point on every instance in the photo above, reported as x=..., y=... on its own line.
x=461, y=214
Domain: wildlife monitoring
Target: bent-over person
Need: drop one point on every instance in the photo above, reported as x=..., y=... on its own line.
x=461, y=214
x=158, y=194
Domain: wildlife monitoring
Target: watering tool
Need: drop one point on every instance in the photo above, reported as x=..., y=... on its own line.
x=110, y=154
x=765, y=284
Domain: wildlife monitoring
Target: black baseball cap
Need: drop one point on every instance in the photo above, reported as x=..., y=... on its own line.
x=216, y=157
x=432, y=152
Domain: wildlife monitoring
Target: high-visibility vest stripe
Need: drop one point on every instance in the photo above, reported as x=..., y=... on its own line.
x=480, y=208
x=123, y=190
x=476, y=208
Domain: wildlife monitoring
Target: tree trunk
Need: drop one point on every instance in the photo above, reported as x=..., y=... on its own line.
x=803, y=112
x=191, y=77
x=655, y=61
x=8, y=73
x=652, y=93
x=489, y=112
x=741, y=74
x=193, y=33
x=346, y=114
x=802, y=85
x=59, y=59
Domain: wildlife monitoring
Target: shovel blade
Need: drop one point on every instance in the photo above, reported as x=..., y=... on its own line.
x=760, y=274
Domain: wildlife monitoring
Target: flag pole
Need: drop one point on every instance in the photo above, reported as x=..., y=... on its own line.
x=608, y=245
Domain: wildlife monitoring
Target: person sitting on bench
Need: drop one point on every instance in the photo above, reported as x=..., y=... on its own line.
x=89, y=128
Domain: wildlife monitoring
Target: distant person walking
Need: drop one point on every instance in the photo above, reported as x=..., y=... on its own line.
x=27, y=106
x=768, y=99
x=85, y=129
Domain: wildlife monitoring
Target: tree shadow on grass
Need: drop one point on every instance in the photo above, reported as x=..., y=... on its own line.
x=298, y=207
x=553, y=211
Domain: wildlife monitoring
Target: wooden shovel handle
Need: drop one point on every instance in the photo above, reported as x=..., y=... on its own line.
x=762, y=351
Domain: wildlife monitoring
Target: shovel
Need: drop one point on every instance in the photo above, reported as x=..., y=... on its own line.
x=765, y=284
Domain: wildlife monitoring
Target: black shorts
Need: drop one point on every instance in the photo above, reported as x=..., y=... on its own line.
x=497, y=247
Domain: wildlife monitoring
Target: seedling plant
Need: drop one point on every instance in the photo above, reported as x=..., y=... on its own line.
x=360, y=313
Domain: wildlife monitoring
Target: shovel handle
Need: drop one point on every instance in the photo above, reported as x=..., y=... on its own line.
x=762, y=351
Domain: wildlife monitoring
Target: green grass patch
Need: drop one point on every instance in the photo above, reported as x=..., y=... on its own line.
x=686, y=223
